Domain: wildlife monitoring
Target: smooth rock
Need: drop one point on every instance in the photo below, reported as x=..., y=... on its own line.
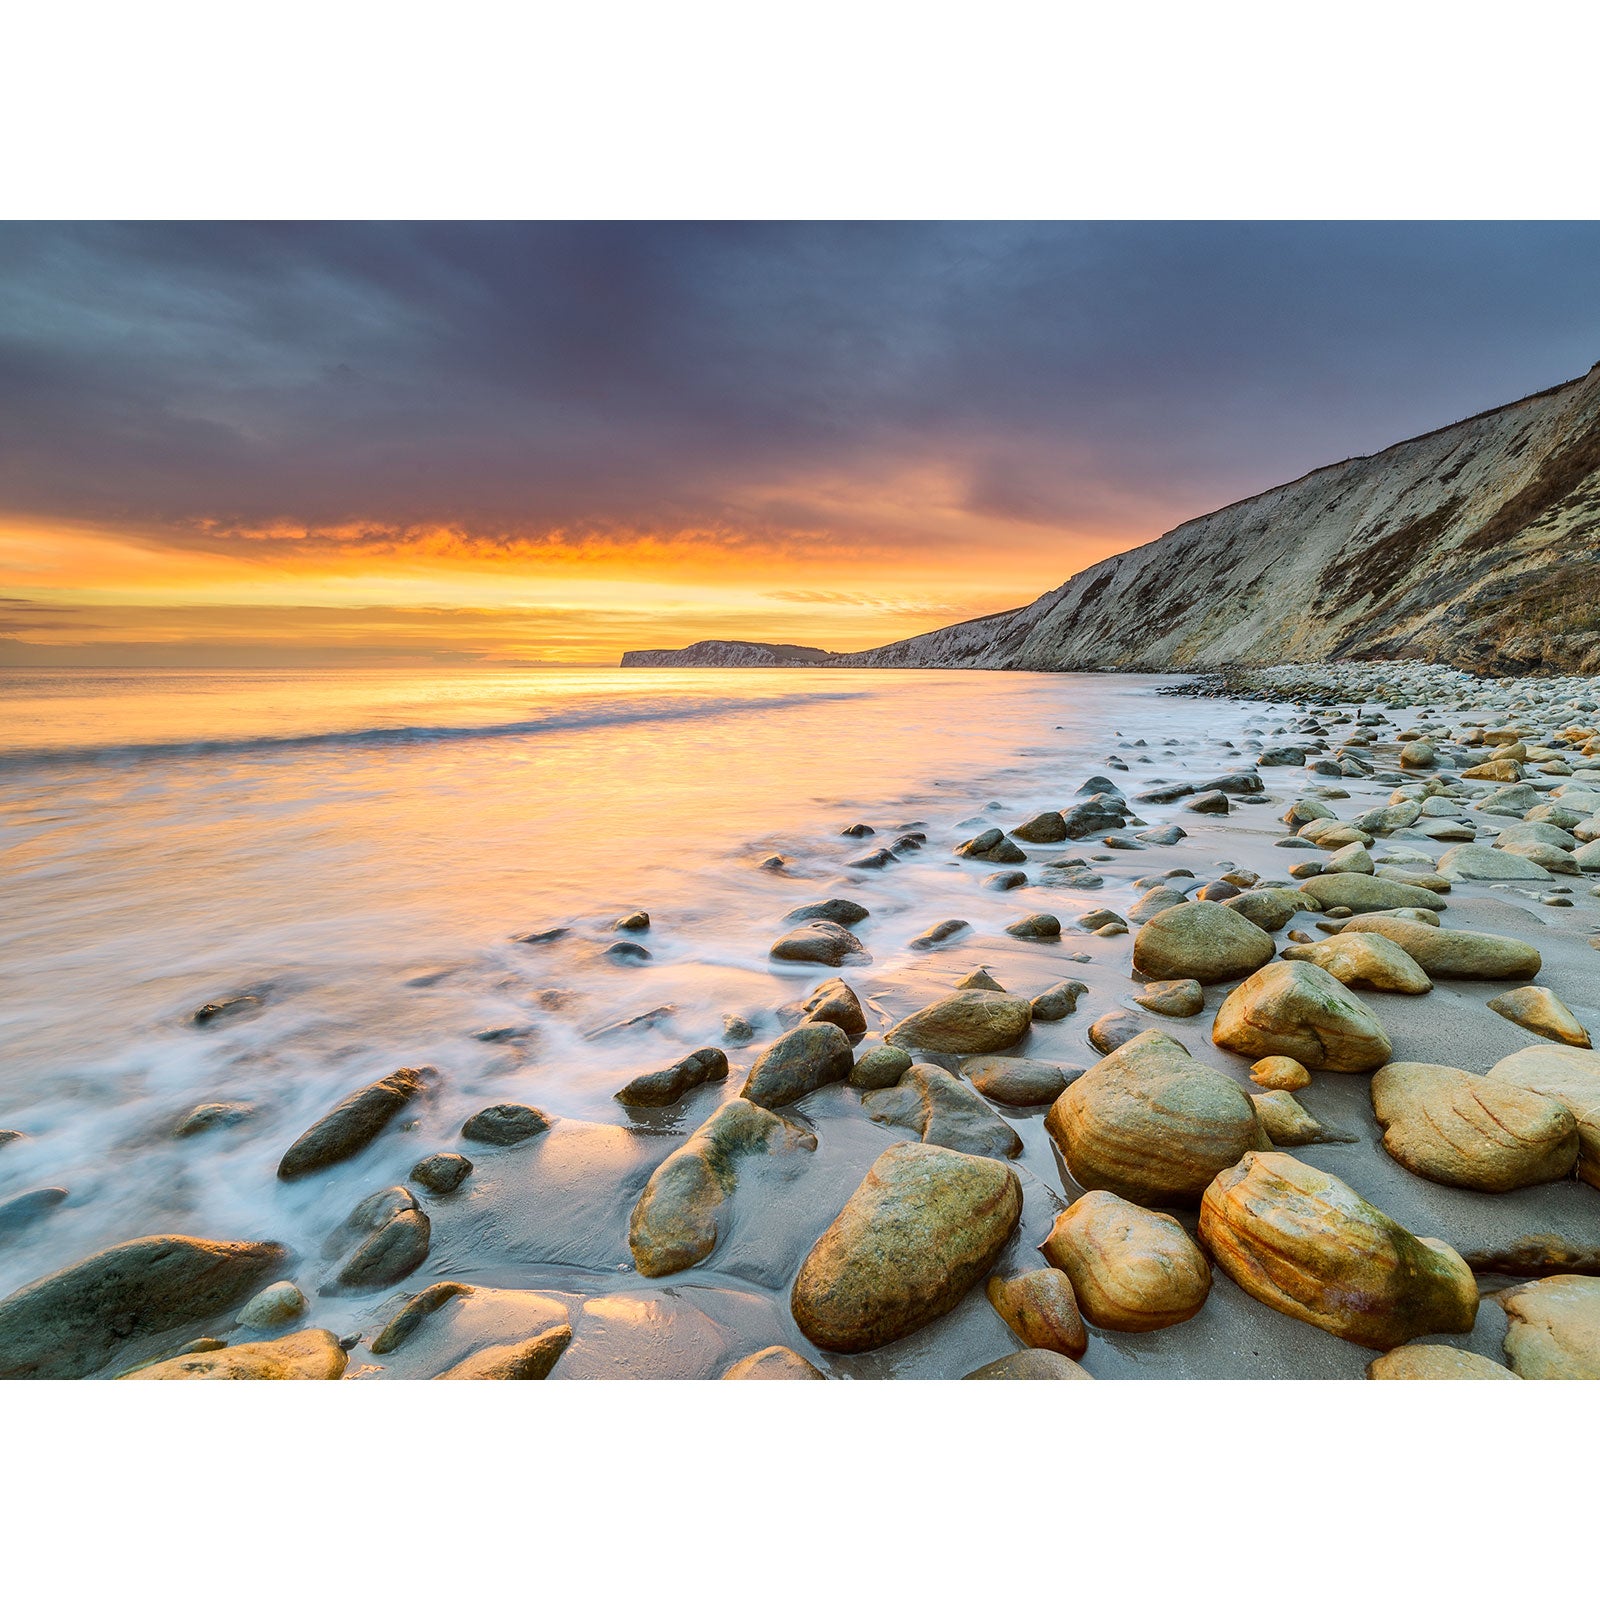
x=1017, y=1081
x=1361, y=893
x=1539, y=1011
x=505, y=1124
x=1058, y=1001
x=1039, y=925
x=820, y=944
x=1288, y=1124
x=1292, y=1008
x=1477, y=863
x=879, y=1065
x=1114, y=1030
x=354, y=1123
x=273, y=1307
x=1152, y=1124
x=968, y=1022
x=1567, y=1075
x=313, y=1354
x=1308, y=1245
x=1422, y=1361
x=1031, y=1364
x=528, y=1359
x=924, y=1226
x=1041, y=1309
x=836, y=1002
x=943, y=1110
x=668, y=1085
x=846, y=913
x=442, y=1173
x=1201, y=940
x=939, y=933
x=796, y=1063
x=1554, y=1327
x=1364, y=961
x=778, y=1362
x=1453, y=952
x=1280, y=1072
x=1131, y=1270
x=1181, y=997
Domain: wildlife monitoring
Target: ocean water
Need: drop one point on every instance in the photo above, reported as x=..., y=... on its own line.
x=359, y=849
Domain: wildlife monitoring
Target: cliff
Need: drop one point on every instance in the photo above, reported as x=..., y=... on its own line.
x=731, y=653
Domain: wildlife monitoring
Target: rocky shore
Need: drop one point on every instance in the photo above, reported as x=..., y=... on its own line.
x=1293, y=1078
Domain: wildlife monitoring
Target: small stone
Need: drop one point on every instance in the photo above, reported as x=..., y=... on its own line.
x=879, y=1065
x=1180, y=997
x=1539, y=1011
x=626, y=950
x=941, y=1109
x=1041, y=925
x=736, y=1029
x=777, y=1361
x=846, y=913
x=1031, y=1364
x=1049, y=827
x=1041, y=1309
x=798, y=1062
x=1364, y=961
x=529, y=1359
x=354, y=1123
x=820, y=944
x=441, y=1174
x=214, y=1114
x=1453, y=952
x=277, y=1304
x=669, y=1085
x=939, y=933
x=394, y=1234
x=1569, y=1076
x=1114, y=1030
x=314, y=1354
x=1287, y=1123
x=1131, y=1270
x=505, y=1124
x=221, y=1010
x=1003, y=882
x=968, y=1022
x=1280, y=1072
x=836, y=1002
x=1435, y=1361
x=633, y=922
x=981, y=978
x=1058, y=1001
x=1017, y=1081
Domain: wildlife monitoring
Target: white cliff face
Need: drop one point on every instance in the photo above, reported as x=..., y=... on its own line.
x=1477, y=545
x=731, y=653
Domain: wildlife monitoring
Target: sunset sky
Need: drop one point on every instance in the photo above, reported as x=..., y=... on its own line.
x=230, y=444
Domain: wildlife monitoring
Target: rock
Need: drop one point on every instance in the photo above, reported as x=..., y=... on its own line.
x=939, y=933
x=213, y=1114
x=924, y=1226
x=1221, y=889
x=531, y=1358
x=1092, y=816
x=632, y=922
x=1453, y=952
x=25, y=1209
x=777, y=1361
x=394, y=1234
x=796, y=1063
x=1476, y=863
x=1307, y=1245
x=678, y=1219
x=541, y=936
x=354, y=1123
x=1041, y=925
x=736, y=1029
x=505, y=1124
x=1049, y=827
x=1016, y=1081
x=940, y=1109
x=1200, y=940
x=820, y=944
x=1131, y=1270
x=968, y=1022
x=1569, y=1076
x=1041, y=1309
x=1161, y=898
x=836, y=1002
x=879, y=1065
x=412, y=1314
x=1435, y=1361
x=220, y=1010
x=626, y=950
x=1280, y=1072
x=1031, y=1364
x=1114, y=1030
x=1472, y=1132
x=1494, y=771
x=1553, y=1327
x=69, y=1324
x=442, y=1173
x=669, y=1085
x=1292, y=1008
x=1002, y=882
x=1152, y=1124
x=1363, y=893
x=845, y=913
x=273, y=1307
x=1182, y=997
x=1209, y=803
x=1270, y=909
x=1058, y=1001
x=1364, y=961
x=1350, y=858
x=1287, y=1123
x=877, y=860
x=1539, y=1011
x=1171, y=833
x=992, y=845
x=981, y=978
x=313, y=1354
x=1534, y=1255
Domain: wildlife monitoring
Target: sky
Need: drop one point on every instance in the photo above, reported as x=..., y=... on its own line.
x=231, y=444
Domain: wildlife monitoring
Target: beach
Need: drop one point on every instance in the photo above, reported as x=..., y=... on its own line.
x=447, y=873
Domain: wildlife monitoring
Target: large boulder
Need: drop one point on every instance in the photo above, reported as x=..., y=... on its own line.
x=1152, y=1124
x=312, y=1354
x=970, y=1022
x=679, y=1217
x=354, y=1123
x=1472, y=1132
x=924, y=1226
x=1553, y=1327
x=941, y=1109
x=1453, y=952
x=797, y=1062
x=1570, y=1076
x=1364, y=961
x=1304, y=1243
x=1362, y=892
x=1293, y=1008
x=70, y=1324
x=1203, y=940
x=1131, y=1269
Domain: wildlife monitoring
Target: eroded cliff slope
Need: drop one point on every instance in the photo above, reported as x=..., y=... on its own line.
x=1477, y=545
